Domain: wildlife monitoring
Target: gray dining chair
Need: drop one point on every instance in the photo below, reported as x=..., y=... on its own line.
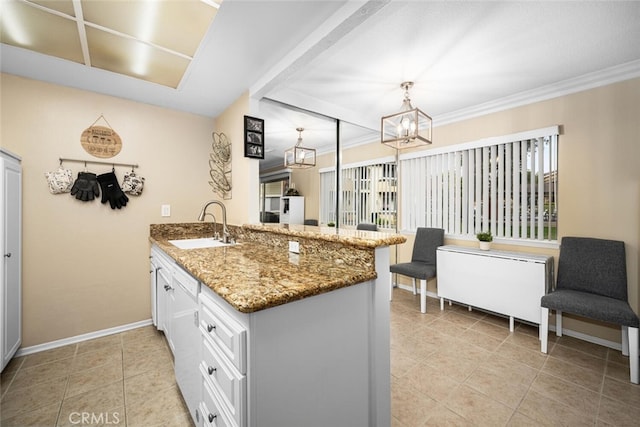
x=423, y=261
x=592, y=283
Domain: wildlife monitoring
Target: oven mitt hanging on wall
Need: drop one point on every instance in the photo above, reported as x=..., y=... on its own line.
x=86, y=187
x=111, y=190
x=59, y=181
x=132, y=183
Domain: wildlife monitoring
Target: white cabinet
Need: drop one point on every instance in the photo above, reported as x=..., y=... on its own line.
x=509, y=283
x=11, y=250
x=292, y=210
x=223, y=366
x=185, y=336
x=163, y=297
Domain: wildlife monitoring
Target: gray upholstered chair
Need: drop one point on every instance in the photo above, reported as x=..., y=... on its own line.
x=423, y=261
x=592, y=282
x=367, y=226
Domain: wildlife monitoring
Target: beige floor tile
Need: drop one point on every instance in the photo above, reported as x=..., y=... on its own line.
x=45, y=416
x=26, y=377
x=534, y=359
x=517, y=373
x=579, y=358
x=449, y=328
x=48, y=356
x=618, y=371
x=550, y=412
x=410, y=407
x=91, y=379
x=139, y=387
x=443, y=416
x=618, y=413
x=491, y=329
x=402, y=362
x=140, y=333
x=430, y=382
x=579, y=398
x=102, y=343
x=497, y=386
x=478, y=408
x=25, y=399
x=520, y=420
x=144, y=362
x=591, y=349
x=461, y=319
x=155, y=409
x=457, y=368
x=479, y=339
x=573, y=373
x=625, y=392
x=616, y=356
x=530, y=342
x=94, y=359
x=103, y=402
x=143, y=346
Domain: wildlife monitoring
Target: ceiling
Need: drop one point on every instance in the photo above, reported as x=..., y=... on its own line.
x=346, y=60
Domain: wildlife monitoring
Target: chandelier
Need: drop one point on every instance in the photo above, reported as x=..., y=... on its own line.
x=408, y=128
x=299, y=156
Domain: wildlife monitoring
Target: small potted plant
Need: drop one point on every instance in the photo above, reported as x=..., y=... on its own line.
x=485, y=239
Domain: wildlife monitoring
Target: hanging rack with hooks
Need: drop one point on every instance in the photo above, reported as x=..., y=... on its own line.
x=97, y=162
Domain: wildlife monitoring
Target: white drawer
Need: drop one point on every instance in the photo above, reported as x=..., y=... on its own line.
x=188, y=282
x=230, y=384
x=211, y=410
x=229, y=335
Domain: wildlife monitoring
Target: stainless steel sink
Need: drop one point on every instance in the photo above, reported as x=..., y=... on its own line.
x=204, y=242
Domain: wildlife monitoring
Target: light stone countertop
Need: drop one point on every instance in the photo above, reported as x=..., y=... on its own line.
x=260, y=272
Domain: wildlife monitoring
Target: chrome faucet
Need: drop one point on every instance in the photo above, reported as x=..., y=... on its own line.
x=226, y=237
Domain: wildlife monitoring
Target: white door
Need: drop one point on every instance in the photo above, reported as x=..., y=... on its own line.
x=11, y=280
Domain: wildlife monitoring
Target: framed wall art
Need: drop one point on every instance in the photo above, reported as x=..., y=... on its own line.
x=253, y=137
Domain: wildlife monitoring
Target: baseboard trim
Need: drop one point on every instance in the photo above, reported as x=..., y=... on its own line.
x=574, y=334
x=23, y=351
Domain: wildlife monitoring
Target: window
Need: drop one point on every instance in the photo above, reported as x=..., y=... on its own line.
x=368, y=194
x=508, y=185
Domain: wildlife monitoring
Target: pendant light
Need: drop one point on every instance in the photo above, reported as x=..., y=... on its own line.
x=408, y=128
x=298, y=156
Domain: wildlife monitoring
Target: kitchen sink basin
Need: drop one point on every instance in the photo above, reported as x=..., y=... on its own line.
x=204, y=242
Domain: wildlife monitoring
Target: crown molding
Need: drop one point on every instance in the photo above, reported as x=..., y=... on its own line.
x=627, y=71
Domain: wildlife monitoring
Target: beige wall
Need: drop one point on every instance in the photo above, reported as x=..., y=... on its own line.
x=599, y=171
x=85, y=266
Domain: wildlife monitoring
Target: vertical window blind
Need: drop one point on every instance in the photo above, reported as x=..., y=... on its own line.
x=368, y=194
x=507, y=185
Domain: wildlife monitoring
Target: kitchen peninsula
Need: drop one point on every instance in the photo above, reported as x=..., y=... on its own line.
x=281, y=338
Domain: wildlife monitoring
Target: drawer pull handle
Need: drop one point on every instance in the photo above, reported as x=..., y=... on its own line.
x=7, y=255
x=211, y=370
x=210, y=327
x=212, y=417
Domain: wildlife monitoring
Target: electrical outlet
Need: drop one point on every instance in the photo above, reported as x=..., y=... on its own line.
x=165, y=210
x=294, y=247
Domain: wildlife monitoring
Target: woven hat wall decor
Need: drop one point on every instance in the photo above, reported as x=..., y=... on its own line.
x=101, y=141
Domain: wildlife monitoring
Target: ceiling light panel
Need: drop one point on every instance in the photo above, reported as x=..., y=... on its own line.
x=31, y=28
x=134, y=58
x=63, y=6
x=175, y=25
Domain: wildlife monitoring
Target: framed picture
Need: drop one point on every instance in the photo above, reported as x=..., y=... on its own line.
x=253, y=137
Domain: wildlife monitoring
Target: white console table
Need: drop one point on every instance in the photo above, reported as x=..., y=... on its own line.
x=508, y=283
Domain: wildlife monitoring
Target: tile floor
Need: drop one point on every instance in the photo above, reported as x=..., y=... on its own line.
x=461, y=368
x=453, y=367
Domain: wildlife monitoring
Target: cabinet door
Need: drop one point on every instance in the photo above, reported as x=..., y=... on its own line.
x=166, y=300
x=11, y=201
